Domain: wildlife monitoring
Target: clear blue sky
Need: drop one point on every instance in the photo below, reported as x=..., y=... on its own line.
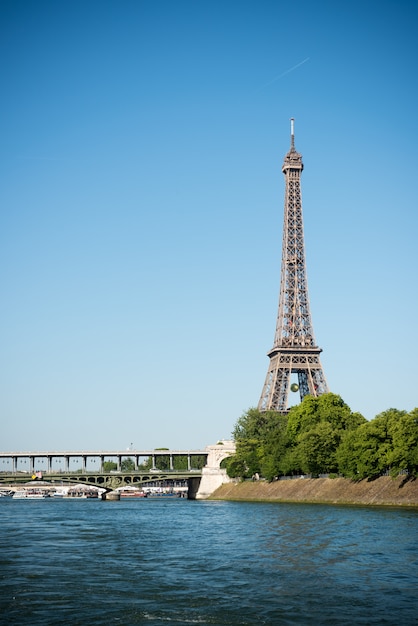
x=142, y=200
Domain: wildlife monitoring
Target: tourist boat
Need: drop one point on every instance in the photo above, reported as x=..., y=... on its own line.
x=159, y=495
x=82, y=493
x=92, y=494
x=30, y=494
x=132, y=493
x=60, y=493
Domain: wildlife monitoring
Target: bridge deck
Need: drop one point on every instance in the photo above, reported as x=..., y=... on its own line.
x=90, y=460
x=100, y=453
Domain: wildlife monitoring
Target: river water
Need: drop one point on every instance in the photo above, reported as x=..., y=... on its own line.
x=171, y=562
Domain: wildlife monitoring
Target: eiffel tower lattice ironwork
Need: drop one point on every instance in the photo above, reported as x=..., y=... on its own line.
x=294, y=350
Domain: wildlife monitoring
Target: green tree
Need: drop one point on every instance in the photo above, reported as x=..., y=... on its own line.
x=329, y=408
x=162, y=461
x=109, y=466
x=404, y=453
x=347, y=454
x=302, y=417
x=322, y=435
x=315, y=429
x=145, y=465
x=197, y=461
x=317, y=447
x=291, y=463
x=260, y=441
x=248, y=452
x=369, y=451
x=253, y=424
x=180, y=462
x=236, y=467
x=127, y=465
x=273, y=446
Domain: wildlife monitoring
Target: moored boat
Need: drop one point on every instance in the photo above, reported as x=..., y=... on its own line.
x=159, y=495
x=30, y=494
x=82, y=493
x=59, y=494
x=132, y=493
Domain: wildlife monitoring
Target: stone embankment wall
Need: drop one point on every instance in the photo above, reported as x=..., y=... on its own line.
x=382, y=491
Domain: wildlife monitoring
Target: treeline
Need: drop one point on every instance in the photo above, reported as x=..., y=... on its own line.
x=322, y=435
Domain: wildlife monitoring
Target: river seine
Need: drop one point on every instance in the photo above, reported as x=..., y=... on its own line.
x=90, y=562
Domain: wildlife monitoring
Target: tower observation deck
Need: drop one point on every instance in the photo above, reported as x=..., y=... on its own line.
x=294, y=350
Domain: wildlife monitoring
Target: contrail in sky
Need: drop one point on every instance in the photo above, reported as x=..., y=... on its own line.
x=284, y=73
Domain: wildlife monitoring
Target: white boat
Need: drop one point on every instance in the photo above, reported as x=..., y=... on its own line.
x=30, y=494
x=162, y=494
x=60, y=493
x=132, y=493
x=82, y=493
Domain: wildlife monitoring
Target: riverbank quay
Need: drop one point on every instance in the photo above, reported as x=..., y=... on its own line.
x=383, y=491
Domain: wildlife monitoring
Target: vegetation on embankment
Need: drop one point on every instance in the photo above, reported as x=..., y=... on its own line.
x=321, y=435
x=400, y=491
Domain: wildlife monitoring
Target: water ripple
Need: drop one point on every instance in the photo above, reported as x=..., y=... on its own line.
x=181, y=562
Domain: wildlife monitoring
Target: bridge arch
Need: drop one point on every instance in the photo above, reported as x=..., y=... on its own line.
x=219, y=452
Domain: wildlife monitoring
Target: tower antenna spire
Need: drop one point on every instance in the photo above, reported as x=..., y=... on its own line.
x=292, y=133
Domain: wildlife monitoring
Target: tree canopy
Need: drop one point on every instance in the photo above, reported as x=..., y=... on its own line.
x=322, y=435
x=109, y=466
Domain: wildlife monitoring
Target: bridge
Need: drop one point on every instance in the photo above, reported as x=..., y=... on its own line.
x=201, y=468
x=32, y=462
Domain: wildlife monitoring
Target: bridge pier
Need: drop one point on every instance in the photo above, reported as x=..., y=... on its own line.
x=193, y=485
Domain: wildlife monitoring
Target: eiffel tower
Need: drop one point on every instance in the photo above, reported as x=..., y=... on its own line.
x=294, y=350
